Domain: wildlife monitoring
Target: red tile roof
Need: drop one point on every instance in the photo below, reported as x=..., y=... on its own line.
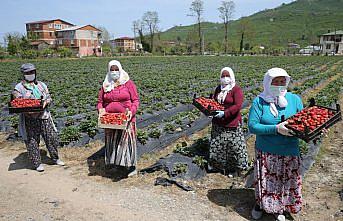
x=46, y=21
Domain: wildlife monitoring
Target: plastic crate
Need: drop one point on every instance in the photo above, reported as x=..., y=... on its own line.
x=13, y=110
x=308, y=135
x=207, y=111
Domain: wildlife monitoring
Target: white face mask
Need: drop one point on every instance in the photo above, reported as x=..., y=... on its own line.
x=225, y=80
x=115, y=75
x=277, y=90
x=30, y=77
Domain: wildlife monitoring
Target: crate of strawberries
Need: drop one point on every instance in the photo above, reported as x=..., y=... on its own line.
x=207, y=106
x=117, y=121
x=25, y=105
x=309, y=123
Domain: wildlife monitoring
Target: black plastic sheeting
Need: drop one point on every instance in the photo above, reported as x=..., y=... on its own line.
x=168, y=163
x=193, y=172
x=162, y=142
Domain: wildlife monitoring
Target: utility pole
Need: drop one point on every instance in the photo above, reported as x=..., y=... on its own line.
x=134, y=34
x=203, y=43
x=334, y=41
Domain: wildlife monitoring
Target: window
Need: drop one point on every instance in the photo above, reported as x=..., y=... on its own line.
x=72, y=42
x=57, y=26
x=51, y=25
x=37, y=25
x=328, y=47
x=50, y=33
x=60, y=42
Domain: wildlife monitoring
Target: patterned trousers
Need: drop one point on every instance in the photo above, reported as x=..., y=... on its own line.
x=35, y=128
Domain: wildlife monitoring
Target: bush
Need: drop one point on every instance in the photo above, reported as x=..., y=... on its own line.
x=69, y=134
x=29, y=54
x=142, y=136
x=47, y=52
x=64, y=52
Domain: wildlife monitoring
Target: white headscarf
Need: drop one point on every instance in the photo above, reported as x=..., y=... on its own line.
x=226, y=88
x=109, y=84
x=268, y=96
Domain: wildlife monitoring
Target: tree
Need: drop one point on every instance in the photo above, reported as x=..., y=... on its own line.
x=190, y=41
x=139, y=26
x=226, y=12
x=24, y=44
x=13, y=40
x=105, y=36
x=197, y=9
x=135, y=28
x=150, y=22
x=245, y=30
x=2, y=53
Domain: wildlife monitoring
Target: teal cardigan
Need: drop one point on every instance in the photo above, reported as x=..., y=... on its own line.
x=263, y=124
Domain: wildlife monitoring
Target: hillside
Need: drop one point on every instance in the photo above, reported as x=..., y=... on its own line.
x=300, y=22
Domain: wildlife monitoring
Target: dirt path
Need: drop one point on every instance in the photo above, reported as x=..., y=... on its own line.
x=69, y=193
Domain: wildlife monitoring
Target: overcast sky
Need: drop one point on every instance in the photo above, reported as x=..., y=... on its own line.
x=116, y=16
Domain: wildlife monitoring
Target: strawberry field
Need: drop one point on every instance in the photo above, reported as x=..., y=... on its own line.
x=166, y=86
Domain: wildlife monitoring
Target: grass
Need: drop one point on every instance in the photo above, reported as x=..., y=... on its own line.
x=276, y=27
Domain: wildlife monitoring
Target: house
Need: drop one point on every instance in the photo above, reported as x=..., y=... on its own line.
x=124, y=44
x=40, y=45
x=83, y=40
x=45, y=31
x=309, y=50
x=332, y=42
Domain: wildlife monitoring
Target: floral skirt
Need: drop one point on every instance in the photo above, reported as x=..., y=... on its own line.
x=228, y=151
x=278, y=183
x=121, y=146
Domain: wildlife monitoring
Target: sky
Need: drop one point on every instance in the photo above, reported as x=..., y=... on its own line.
x=116, y=16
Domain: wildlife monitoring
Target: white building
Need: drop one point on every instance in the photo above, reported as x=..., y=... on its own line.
x=310, y=50
x=332, y=43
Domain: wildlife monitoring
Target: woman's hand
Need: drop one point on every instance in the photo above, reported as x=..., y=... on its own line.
x=220, y=114
x=45, y=103
x=325, y=132
x=283, y=130
x=102, y=111
x=129, y=115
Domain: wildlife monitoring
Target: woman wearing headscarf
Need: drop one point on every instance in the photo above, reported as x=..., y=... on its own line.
x=119, y=95
x=33, y=125
x=227, y=145
x=277, y=165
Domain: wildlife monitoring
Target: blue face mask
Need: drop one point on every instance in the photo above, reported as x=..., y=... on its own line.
x=115, y=75
x=277, y=90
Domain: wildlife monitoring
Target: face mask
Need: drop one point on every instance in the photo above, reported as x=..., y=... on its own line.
x=277, y=90
x=30, y=77
x=115, y=75
x=225, y=80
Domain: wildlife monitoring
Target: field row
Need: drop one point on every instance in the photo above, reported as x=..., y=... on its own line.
x=164, y=83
